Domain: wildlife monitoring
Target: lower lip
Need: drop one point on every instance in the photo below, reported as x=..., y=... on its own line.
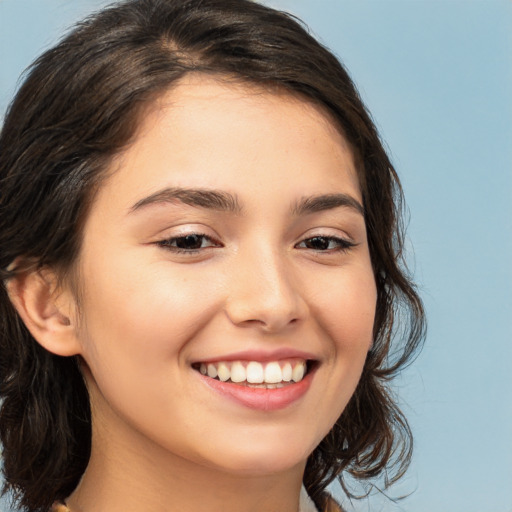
x=260, y=398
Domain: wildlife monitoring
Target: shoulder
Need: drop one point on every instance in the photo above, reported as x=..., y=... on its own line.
x=329, y=504
x=59, y=507
x=332, y=505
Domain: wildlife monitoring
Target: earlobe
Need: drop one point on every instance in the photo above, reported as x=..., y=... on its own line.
x=47, y=312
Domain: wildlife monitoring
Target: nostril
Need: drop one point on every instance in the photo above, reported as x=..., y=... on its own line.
x=268, y=298
x=267, y=319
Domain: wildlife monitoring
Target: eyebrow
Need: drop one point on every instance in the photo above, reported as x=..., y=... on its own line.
x=202, y=198
x=227, y=202
x=314, y=204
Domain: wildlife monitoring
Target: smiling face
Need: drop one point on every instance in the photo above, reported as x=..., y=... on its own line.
x=228, y=297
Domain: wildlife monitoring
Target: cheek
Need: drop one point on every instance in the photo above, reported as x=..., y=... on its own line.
x=132, y=317
x=346, y=316
x=134, y=338
x=347, y=312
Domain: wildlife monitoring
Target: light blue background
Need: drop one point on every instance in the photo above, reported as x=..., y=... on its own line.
x=437, y=77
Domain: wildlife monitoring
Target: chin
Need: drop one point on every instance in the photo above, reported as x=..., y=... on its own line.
x=264, y=458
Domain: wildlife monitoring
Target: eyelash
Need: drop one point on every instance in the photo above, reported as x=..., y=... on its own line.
x=169, y=243
x=172, y=244
x=341, y=244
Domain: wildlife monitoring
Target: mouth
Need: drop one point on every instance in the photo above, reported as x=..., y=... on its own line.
x=255, y=374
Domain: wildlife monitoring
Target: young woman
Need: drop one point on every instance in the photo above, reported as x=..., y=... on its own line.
x=200, y=254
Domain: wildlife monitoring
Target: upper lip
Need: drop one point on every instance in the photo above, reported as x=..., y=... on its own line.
x=261, y=356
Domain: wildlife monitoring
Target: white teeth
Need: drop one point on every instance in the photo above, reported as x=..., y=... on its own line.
x=287, y=372
x=273, y=373
x=212, y=371
x=223, y=372
x=238, y=373
x=298, y=372
x=254, y=373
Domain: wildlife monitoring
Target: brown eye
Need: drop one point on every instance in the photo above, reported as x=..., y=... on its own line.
x=318, y=243
x=188, y=243
x=325, y=243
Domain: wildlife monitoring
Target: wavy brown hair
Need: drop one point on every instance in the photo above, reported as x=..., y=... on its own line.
x=79, y=105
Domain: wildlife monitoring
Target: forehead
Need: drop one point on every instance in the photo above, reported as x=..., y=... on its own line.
x=209, y=132
x=199, y=93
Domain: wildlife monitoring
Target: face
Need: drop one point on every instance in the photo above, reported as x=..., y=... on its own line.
x=228, y=297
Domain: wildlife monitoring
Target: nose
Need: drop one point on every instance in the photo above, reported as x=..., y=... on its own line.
x=265, y=292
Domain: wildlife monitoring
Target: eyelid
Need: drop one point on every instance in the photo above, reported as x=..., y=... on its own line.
x=344, y=241
x=183, y=229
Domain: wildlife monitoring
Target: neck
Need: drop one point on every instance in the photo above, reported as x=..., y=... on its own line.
x=130, y=474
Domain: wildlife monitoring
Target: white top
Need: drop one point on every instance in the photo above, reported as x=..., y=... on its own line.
x=305, y=502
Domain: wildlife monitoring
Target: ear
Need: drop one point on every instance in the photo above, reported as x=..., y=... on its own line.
x=48, y=313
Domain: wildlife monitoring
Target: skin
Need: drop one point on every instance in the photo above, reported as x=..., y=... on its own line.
x=162, y=439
